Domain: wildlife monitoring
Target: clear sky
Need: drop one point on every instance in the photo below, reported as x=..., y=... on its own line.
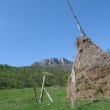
x=32, y=30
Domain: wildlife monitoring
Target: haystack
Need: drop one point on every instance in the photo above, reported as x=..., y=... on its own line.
x=92, y=69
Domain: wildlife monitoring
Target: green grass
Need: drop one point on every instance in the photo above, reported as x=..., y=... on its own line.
x=23, y=99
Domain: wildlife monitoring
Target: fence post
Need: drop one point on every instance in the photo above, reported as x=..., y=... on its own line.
x=74, y=94
x=42, y=90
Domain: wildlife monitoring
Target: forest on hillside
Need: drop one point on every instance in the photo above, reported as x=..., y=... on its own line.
x=24, y=77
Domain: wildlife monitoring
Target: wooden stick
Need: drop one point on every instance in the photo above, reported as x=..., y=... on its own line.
x=35, y=93
x=74, y=94
x=48, y=95
x=42, y=90
x=34, y=85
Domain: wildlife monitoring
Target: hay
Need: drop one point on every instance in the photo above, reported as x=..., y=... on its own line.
x=92, y=68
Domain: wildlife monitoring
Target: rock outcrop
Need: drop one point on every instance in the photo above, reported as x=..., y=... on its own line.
x=53, y=61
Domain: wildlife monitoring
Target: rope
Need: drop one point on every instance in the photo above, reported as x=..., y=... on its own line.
x=78, y=24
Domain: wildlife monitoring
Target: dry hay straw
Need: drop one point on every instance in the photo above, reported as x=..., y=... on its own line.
x=92, y=69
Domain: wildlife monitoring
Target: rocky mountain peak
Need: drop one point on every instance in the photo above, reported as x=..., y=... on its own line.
x=52, y=61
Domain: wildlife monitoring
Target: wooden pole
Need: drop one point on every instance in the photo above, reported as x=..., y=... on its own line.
x=76, y=19
x=35, y=93
x=34, y=85
x=74, y=94
x=48, y=95
x=42, y=90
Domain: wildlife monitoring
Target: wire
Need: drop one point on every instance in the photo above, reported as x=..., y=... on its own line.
x=78, y=24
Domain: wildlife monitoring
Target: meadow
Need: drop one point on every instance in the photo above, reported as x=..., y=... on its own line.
x=23, y=99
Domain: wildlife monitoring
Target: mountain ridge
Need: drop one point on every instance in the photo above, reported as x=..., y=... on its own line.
x=52, y=61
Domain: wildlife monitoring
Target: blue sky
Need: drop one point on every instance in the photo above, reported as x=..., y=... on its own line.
x=32, y=30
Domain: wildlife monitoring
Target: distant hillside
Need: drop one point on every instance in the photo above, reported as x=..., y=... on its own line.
x=56, y=71
x=20, y=77
x=53, y=62
x=63, y=67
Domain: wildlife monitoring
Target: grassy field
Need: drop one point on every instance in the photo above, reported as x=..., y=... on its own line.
x=23, y=99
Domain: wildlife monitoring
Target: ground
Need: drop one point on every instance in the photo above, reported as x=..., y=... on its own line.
x=23, y=99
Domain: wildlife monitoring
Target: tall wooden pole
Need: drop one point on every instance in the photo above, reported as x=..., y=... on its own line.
x=77, y=21
x=42, y=90
x=73, y=88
